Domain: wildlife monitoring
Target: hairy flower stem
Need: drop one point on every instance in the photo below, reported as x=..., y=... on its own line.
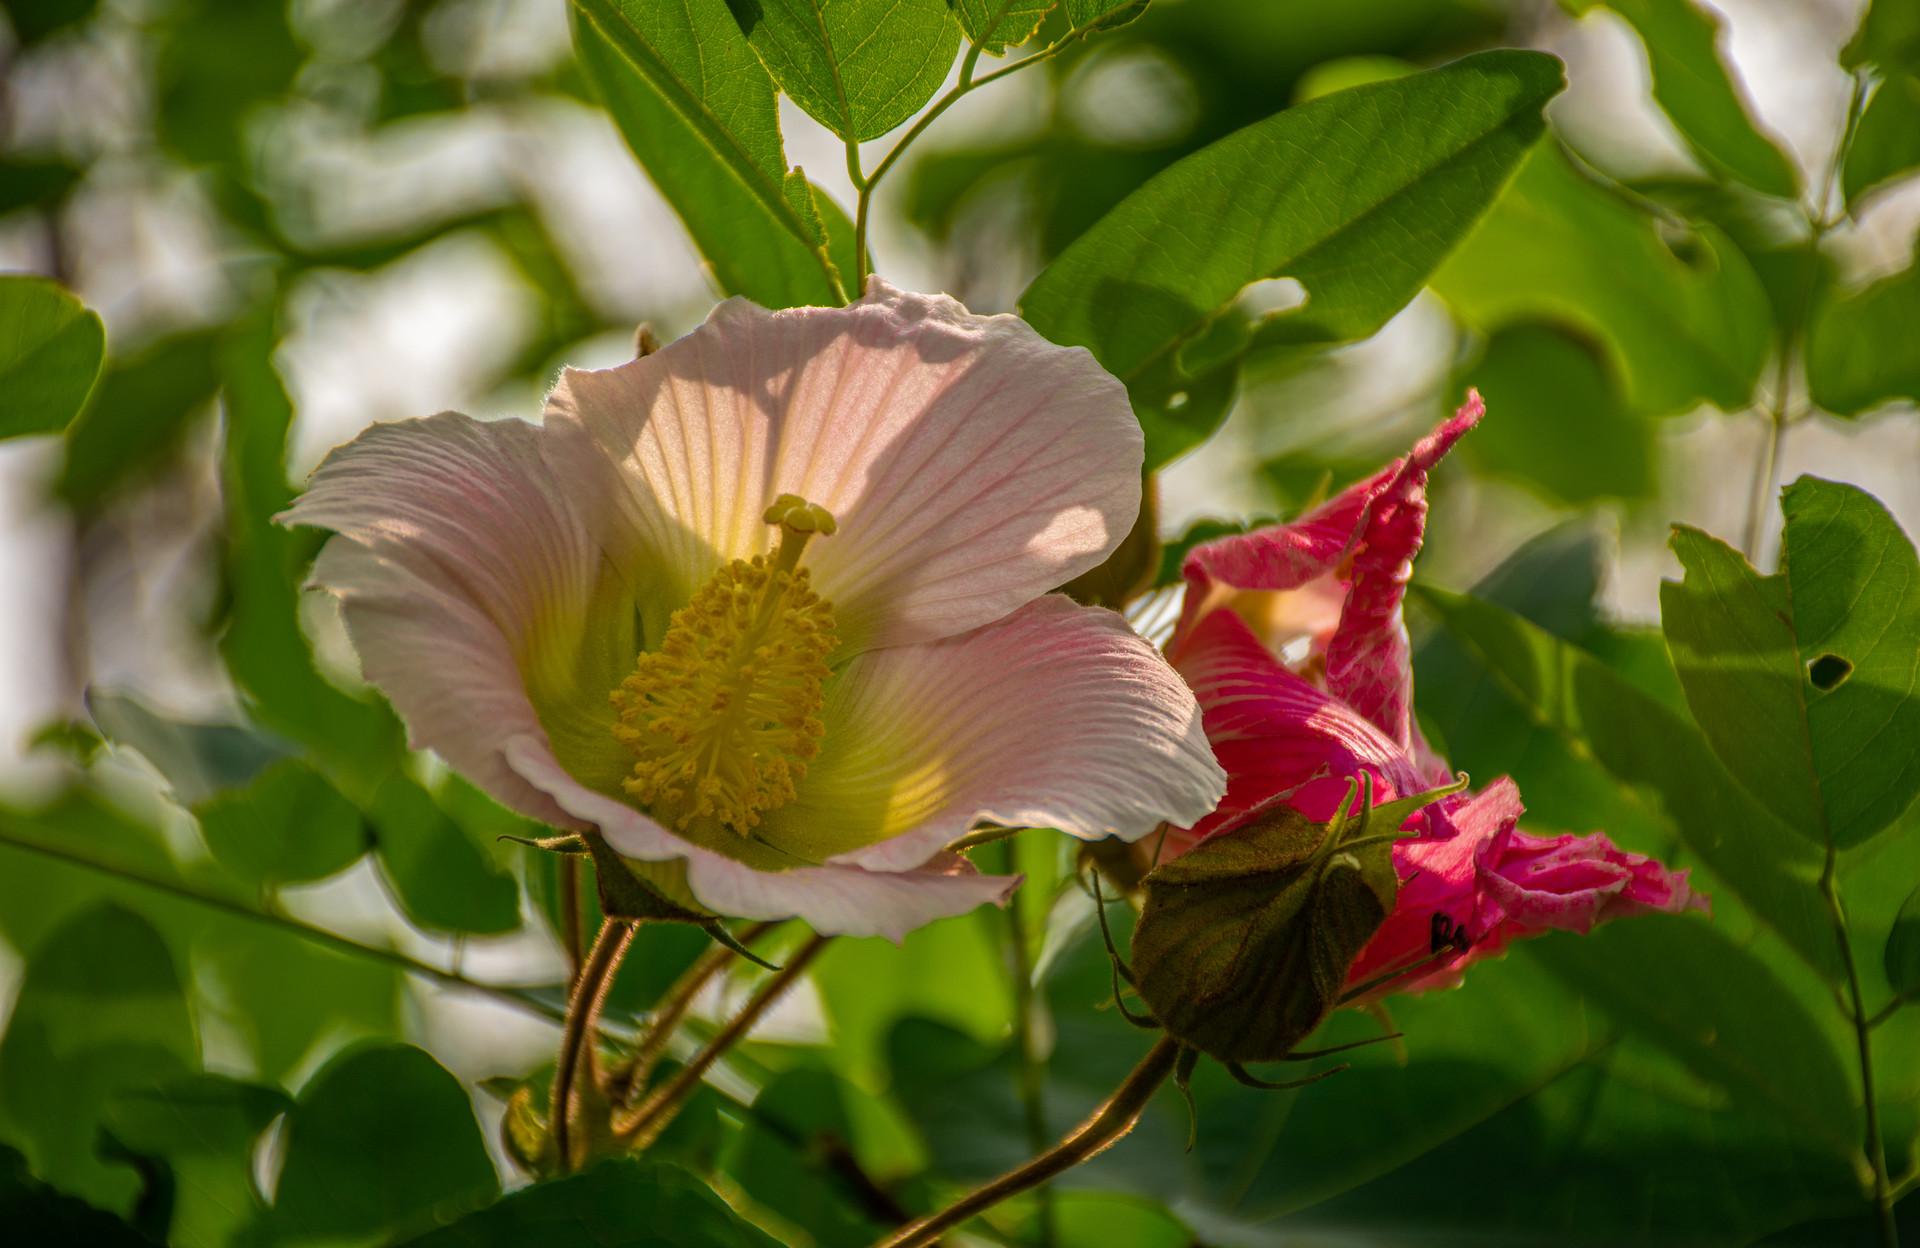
x=572, y=929
x=644, y=1125
x=1876, y=1148
x=576, y=1037
x=666, y=1016
x=1108, y=1125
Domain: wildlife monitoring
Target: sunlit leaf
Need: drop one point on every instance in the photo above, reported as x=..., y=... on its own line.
x=861, y=67
x=1859, y=346
x=997, y=25
x=1355, y=196
x=1804, y=680
x=1559, y=247
x=382, y=1139
x=698, y=110
x=1694, y=86
x=617, y=1204
x=51, y=346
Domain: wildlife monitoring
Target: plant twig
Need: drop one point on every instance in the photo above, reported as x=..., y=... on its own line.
x=1876, y=1147
x=1108, y=1125
x=644, y=1125
x=576, y=1037
x=665, y=1017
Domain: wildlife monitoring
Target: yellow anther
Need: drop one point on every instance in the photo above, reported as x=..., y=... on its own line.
x=724, y=717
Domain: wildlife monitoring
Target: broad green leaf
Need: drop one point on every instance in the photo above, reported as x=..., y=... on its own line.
x=137, y=414
x=698, y=110
x=1096, y=15
x=1681, y=983
x=1695, y=88
x=1886, y=145
x=215, y=63
x=1559, y=247
x=1355, y=196
x=442, y=877
x=859, y=67
x=34, y=1213
x=1888, y=37
x=807, y=1112
x=997, y=25
x=1804, y=681
x=51, y=347
x=1590, y=749
x=1559, y=422
x=1860, y=346
x=617, y=1204
x=1903, y=948
x=287, y=826
x=202, y=1129
x=382, y=1139
x=100, y=1010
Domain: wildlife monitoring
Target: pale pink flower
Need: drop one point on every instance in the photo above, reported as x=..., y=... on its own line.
x=1325, y=592
x=769, y=607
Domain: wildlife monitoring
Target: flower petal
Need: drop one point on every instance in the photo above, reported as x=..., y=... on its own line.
x=971, y=464
x=832, y=899
x=1056, y=716
x=467, y=579
x=1274, y=732
x=1368, y=666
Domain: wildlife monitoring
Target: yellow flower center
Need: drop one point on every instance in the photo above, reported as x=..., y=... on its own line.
x=723, y=718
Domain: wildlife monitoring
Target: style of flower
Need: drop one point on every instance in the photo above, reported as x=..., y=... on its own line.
x=768, y=608
x=1293, y=640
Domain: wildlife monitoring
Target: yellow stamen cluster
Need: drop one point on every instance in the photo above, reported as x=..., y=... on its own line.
x=724, y=717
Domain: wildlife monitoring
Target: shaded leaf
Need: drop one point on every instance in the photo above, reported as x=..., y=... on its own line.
x=860, y=67
x=1590, y=749
x=1355, y=196
x=285, y=827
x=1886, y=144
x=137, y=413
x=1558, y=247
x=442, y=877
x=1804, y=681
x=1695, y=88
x=203, y=1128
x=1889, y=37
x=197, y=760
x=1719, y=1009
x=1859, y=346
x=698, y=110
x=1902, y=957
x=34, y=1213
x=617, y=1204
x=51, y=348
x=382, y=1138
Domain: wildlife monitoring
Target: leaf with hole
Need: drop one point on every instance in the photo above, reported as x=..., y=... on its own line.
x=1805, y=681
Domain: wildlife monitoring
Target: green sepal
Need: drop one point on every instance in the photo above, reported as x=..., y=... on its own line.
x=1242, y=1075
x=1244, y=944
x=568, y=844
x=626, y=895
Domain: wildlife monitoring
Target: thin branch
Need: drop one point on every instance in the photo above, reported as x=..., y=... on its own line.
x=665, y=1017
x=572, y=933
x=1108, y=1125
x=1875, y=1144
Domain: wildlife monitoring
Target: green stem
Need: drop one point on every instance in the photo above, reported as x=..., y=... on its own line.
x=576, y=1036
x=644, y=1125
x=1108, y=1125
x=966, y=83
x=572, y=929
x=665, y=1017
x=1876, y=1148
x=1033, y=1071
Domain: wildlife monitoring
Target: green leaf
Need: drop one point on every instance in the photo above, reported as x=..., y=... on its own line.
x=1694, y=88
x=287, y=827
x=1859, y=346
x=1886, y=144
x=1590, y=749
x=382, y=1139
x=1903, y=948
x=442, y=877
x=617, y=1204
x=1804, y=681
x=806, y=1113
x=698, y=110
x=1560, y=247
x=1722, y=1011
x=197, y=760
x=1355, y=196
x=100, y=1010
x=34, y=1213
x=859, y=67
x=214, y=64
x=1559, y=421
x=137, y=414
x=997, y=25
x=51, y=347
x=1096, y=15
x=1889, y=37
x=203, y=1128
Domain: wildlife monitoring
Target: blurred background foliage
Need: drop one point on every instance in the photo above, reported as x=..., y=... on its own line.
x=271, y=978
